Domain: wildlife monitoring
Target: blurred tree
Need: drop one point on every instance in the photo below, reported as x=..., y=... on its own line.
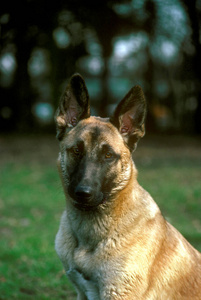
x=34, y=24
x=107, y=24
x=118, y=42
x=193, y=8
x=166, y=26
x=30, y=25
x=150, y=26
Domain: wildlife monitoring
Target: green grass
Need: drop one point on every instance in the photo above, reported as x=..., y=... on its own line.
x=31, y=203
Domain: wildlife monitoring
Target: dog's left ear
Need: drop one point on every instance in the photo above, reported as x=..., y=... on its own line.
x=129, y=117
x=74, y=106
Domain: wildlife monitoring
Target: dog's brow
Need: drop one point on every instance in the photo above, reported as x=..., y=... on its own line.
x=107, y=147
x=79, y=142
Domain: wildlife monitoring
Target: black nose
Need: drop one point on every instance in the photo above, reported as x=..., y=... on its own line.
x=83, y=192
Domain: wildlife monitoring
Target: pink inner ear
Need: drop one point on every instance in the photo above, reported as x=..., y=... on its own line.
x=124, y=129
x=71, y=116
x=126, y=125
x=72, y=111
x=74, y=121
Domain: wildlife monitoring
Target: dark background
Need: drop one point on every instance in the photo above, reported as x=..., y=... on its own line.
x=114, y=45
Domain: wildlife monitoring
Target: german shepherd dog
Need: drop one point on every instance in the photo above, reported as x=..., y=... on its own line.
x=113, y=241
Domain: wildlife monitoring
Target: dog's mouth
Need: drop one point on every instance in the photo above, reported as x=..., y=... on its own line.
x=84, y=207
x=92, y=205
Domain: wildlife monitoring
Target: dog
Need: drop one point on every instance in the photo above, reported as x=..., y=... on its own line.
x=113, y=240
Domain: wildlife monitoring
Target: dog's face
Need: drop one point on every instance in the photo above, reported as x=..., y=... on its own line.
x=95, y=156
x=95, y=162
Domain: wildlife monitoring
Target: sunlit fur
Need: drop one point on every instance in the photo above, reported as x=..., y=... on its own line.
x=116, y=245
x=125, y=248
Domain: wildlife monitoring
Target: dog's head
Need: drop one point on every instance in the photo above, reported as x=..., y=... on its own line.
x=95, y=158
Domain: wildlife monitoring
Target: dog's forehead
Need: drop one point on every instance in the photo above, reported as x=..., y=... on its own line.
x=95, y=130
x=96, y=127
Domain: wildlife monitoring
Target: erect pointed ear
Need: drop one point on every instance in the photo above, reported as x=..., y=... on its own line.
x=129, y=117
x=74, y=105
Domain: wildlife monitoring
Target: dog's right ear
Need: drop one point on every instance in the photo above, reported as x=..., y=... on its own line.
x=74, y=106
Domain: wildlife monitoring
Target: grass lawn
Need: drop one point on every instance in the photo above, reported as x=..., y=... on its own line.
x=31, y=203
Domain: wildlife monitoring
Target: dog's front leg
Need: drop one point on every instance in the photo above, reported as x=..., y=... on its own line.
x=87, y=290
x=76, y=278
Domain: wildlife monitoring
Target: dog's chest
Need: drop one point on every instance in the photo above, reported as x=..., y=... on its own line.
x=91, y=247
x=93, y=262
x=87, y=261
x=86, y=272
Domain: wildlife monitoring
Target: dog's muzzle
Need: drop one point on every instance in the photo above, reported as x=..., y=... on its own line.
x=83, y=193
x=85, y=198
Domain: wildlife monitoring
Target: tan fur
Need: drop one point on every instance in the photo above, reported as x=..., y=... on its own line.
x=125, y=249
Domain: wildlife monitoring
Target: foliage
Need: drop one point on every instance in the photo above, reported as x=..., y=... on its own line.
x=149, y=42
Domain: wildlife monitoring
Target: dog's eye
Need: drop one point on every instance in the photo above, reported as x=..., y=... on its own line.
x=108, y=155
x=76, y=151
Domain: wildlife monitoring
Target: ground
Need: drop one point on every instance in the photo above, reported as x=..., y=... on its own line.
x=31, y=202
